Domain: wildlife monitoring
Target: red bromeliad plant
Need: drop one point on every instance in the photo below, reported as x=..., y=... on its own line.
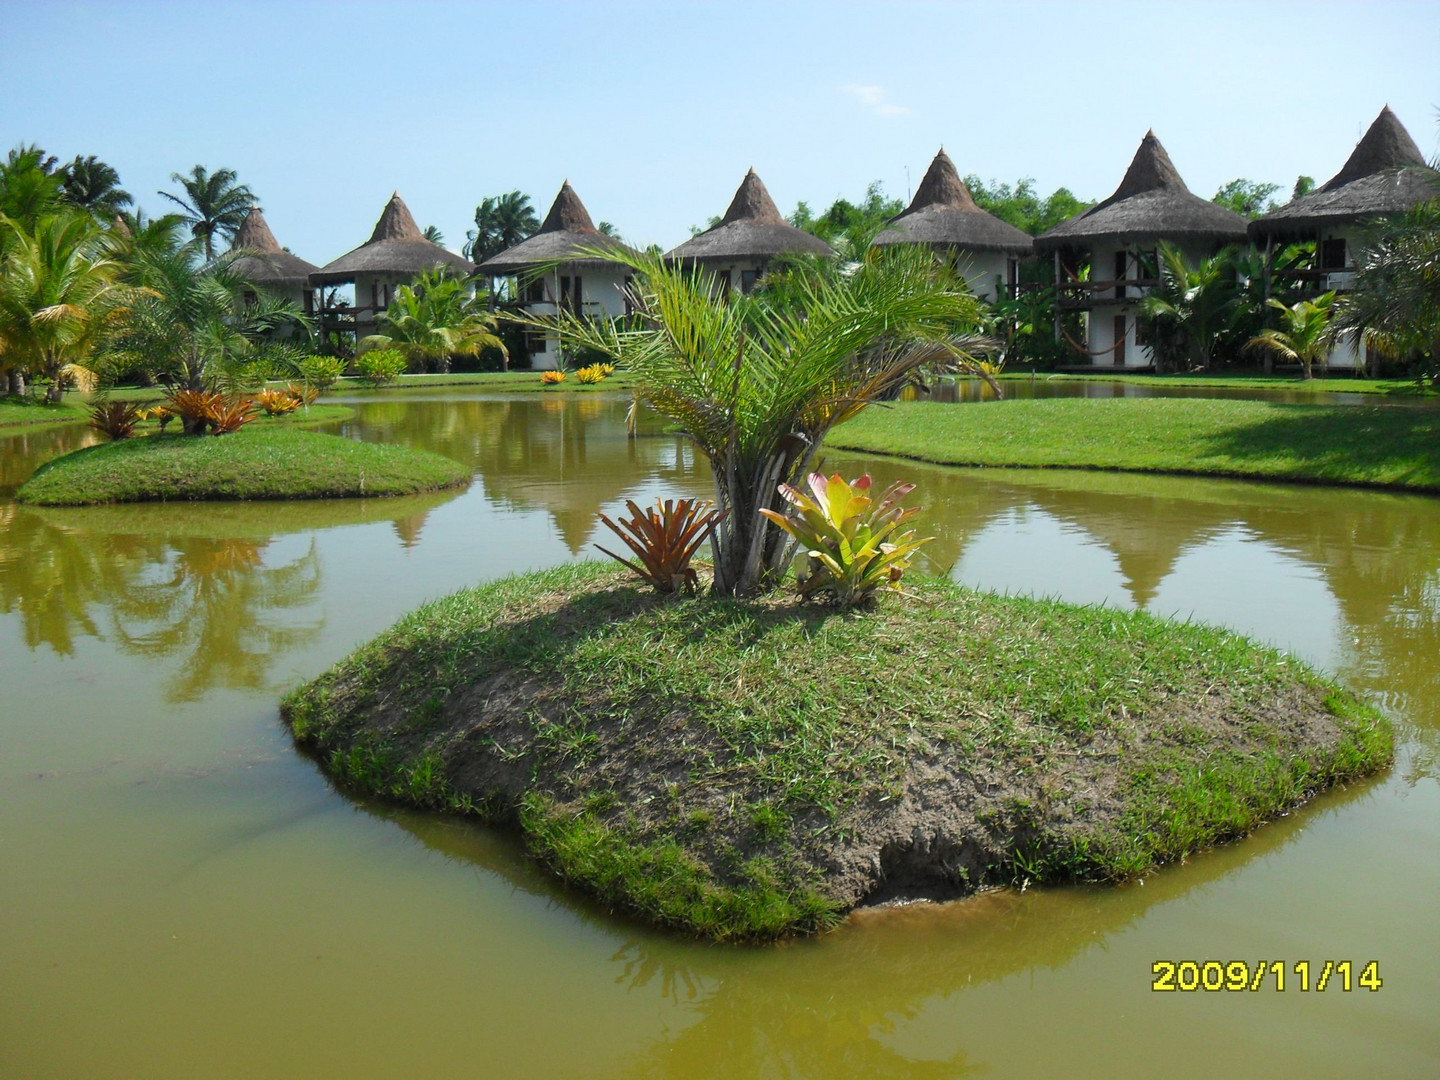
x=232, y=414
x=117, y=419
x=849, y=543
x=665, y=539
x=195, y=408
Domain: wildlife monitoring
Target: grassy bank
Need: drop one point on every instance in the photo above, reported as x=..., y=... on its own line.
x=752, y=769
x=1334, y=384
x=1358, y=445
x=255, y=463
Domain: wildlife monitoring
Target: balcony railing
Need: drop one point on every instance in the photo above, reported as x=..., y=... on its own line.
x=1077, y=295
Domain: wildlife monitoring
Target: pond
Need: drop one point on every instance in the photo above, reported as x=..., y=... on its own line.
x=182, y=894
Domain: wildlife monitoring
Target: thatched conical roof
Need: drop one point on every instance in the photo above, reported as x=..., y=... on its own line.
x=752, y=228
x=943, y=214
x=1151, y=203
x=566, y=232
x=262, y=259
x=396, y=247
x=1385, y=174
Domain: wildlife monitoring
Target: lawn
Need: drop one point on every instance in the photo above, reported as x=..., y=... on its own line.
x=1361, y=445
x=255, y=463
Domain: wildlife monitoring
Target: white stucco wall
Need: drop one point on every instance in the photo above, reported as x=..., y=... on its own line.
x=984, y=271
x=601, y=294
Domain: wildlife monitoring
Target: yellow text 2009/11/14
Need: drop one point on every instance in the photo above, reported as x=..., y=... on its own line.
x=1243, y=975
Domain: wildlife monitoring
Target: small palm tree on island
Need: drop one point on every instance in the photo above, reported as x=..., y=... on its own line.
x=1191, y=307
x=214, y=204
x=434, y=319
x=757, y=385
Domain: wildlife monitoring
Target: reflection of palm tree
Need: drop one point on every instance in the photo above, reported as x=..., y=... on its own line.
x=210, y=611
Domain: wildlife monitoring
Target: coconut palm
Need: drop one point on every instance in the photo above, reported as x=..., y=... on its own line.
x=90, y=184
x=29, y=185
x=213, y=203
x=434, y=319
x=756, y=386
x=501, y=222
x=1306, y=334
x=434, y=235
x=59, y=296
x=1191, y=307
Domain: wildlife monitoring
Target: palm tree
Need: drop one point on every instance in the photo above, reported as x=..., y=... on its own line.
x=213, y=203
x=89, y=183
x=434, y=235
x=1306, y=336
x=59, y=295
x=188, y=322
x=1395, y=301
x=756, y=385
x=433, y=319
x=29, y=185
x=1191, y=307
x=501, y=221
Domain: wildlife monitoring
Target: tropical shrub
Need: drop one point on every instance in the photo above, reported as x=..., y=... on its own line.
x=552, y=378
x=664, y=539
x=757, y=383
x=433, y=320
x=322, y=371
x=277, y=402
x=115, y=419
x=848, y=544
x=231, y=414
x=380, y=366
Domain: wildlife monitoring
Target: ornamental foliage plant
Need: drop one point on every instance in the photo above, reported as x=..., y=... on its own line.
x=849, y=547
x=380, y=366
x=433, y=319
x=757, y=385
x=664, y=538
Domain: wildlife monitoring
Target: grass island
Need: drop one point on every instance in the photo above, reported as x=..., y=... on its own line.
x=1364, y=446
x=749, y=769
x=262, y=462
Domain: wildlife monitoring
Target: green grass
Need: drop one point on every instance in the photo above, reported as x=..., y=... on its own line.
x=1333, y=444
x=699, y=762
x=275, y=462
x=27, y=412
x=1334, y=384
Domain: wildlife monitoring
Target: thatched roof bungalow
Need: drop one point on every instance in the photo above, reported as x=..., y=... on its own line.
x=396, y=253
x=262, y=260
x=557, y=267
x=738, y=248
x=1119, y=238
x=1385, y=175
x=944, y=215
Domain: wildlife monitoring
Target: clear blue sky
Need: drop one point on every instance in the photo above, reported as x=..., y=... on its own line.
x=655, y=110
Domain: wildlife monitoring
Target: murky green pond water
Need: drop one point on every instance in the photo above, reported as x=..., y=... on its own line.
x=182, y=895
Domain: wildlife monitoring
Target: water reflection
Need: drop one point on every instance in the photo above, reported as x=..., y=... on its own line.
x=833, y=1006
x=23, y=451
x=207, y=589
x=570, y=457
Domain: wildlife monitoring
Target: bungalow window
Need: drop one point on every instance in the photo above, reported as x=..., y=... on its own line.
x=570, y=294
x=535, y=290
x=1012, y=277
x=1119, y=325
x=1332, y=254
x=534, y=342
x=249, y=298
x=309, y=301
x=1122, y=259
x=1147, y=265
x=722, y=283
x=748, y=279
